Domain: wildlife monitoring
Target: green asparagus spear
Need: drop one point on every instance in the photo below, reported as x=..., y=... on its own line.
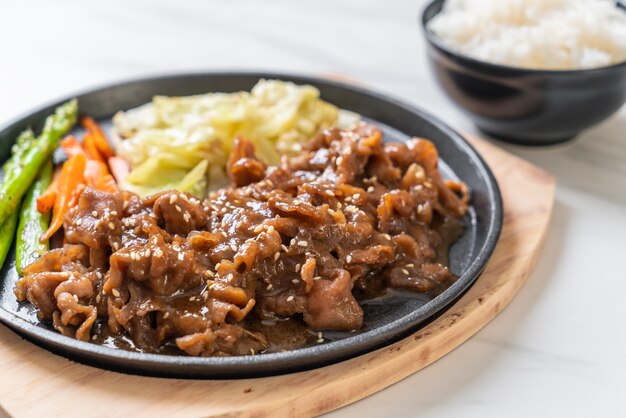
x=32, y=224
x=7, y=228
x=7, y=232
x=23, y=142
x=17, y=179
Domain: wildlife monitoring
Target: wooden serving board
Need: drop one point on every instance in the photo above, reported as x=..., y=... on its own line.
x=34, y=382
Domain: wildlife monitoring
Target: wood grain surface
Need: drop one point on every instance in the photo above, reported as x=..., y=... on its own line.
x=36, y=383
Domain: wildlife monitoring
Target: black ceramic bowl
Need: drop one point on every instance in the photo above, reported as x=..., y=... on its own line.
x=524, y=106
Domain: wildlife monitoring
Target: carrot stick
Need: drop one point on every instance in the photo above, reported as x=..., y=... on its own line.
x=76, y=195
x=90, y=147
x=72, y=176
x=97, y=176
x=120, y=169
x=99, y=138
x=45, y=202
x=107, y=184
x=71, y=146
x=93, y=172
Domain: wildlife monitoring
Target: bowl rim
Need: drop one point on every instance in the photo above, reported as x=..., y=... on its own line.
x=442, y=45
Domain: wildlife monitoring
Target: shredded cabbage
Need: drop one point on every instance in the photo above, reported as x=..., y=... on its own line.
x=184, y=142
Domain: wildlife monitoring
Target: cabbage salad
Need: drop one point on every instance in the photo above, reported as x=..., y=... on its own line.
x=183, y=143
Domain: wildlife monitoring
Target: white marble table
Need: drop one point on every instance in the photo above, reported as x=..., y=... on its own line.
x=558, y=350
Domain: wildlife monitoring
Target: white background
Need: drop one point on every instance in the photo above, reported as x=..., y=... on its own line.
x=558, y=350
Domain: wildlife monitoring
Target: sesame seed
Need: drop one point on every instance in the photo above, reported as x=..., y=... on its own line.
x=317, y=278
x=258, y=229
x=370, y=189
x=303, y=243
x=184, y=197
x=320, y=340
x=94, y=337
x=98, y=275
x=98, y=298
x=330, y=212
x=297, y=267
x=269, y=287
x=114, y=212
x=270, y=229
x=295, y=281
x=173, y=199
x=276, y=256
x=410, y=265
x=78, y=222
x=284, y=247
x=339, y=160
x=349, y=259
x=387, y=236
x=229, y=277
x=147, y=253
x=339, y=205
x=233, y=247
x=356, y=196
x=158, y=253
x=217, y=266
x=224, y=234
x=330, y=193
x=191, y=299
x=111, y=225
x=116, y=293
x=178, y=209
x=290, y=298
x=94, y=213
x=166, y=315
x=186, y=217
x=320, y=335
x=205, y=294
x=292, y=242
x=405, y=271
x=116, y=246
x=181, y=256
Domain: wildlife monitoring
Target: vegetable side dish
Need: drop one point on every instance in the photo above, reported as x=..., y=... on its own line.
x=183, y=142
x=267, y=263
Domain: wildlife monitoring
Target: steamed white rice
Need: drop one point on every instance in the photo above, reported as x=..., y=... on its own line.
x=538, y=34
